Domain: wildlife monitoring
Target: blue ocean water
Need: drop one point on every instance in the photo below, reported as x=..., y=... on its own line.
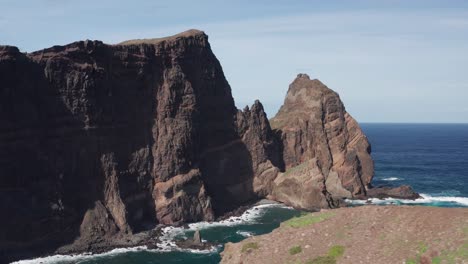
x=255, y=221
x=432, y=158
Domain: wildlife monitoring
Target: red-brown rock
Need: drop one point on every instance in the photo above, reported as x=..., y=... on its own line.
x=100, y=141
x=326, y=154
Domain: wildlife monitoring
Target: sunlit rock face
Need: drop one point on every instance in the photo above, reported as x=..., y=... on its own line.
x=98, y=142
x=326, y=154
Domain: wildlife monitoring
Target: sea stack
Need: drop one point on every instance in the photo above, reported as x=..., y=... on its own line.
x=99, y=141
x=325, y=153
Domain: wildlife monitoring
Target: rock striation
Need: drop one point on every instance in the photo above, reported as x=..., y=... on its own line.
x=99, y=141
x=326, y=154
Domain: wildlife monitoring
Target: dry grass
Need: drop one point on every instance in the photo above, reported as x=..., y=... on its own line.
x=308, y=219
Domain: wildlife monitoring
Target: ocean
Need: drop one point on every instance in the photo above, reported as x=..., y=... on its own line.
x=432, y=158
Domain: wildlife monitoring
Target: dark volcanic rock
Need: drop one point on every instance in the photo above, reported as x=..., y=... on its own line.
x=194, y=243
x=98, y=142
x=116, y=136
x=401, y=192
x=263, y=146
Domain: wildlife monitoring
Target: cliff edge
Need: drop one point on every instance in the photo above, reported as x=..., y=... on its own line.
x=98, y=142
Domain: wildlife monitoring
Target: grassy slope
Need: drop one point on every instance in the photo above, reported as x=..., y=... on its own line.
x=367, y=234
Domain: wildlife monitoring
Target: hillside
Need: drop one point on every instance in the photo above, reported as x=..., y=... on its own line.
x=366, y=234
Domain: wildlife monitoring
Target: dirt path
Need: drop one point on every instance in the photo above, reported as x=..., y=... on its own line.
x=366, y=234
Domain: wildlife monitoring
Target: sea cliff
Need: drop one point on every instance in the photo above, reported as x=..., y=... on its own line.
x=99, y=142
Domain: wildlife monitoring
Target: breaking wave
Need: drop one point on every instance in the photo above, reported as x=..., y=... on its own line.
x=391, y=179
x=244, y=233
x=167, y=238
x=424, y=200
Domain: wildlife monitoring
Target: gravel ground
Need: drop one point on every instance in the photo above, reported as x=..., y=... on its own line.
x=365, y=234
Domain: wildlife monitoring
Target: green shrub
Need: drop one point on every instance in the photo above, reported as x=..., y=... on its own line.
x=322, y=260
x=333, y=253
x=336, y=251
x=249, y=246
x=295, y=250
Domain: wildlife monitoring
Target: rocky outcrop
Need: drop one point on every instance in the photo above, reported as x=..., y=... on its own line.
x=118, y=136
x=263, y=146
x=101, y=141
x=403, y=192
x=326, y=154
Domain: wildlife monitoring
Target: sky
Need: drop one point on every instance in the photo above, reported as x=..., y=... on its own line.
x=390, y=60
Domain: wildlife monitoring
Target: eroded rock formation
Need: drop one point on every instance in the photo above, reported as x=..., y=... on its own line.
x=101, y=141
x=138, y=133
x=326, y=154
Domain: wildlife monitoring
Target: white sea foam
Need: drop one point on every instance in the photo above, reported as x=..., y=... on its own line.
x=167, y=239
x=57, y=259
x=459, y=200
x=78, y=257
x=244, y=233
x=425, y=199
x=249, y=216
x=391, y=179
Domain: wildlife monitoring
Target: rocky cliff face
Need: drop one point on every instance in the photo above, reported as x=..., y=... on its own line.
x=100, y=141
x=326, y=154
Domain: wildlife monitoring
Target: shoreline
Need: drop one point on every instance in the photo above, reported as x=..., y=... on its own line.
x=156, y=240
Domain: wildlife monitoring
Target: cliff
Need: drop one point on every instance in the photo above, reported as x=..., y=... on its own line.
x=99, y=141
x=326, y=154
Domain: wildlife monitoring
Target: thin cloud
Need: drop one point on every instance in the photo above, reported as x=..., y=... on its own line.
x=455, y=22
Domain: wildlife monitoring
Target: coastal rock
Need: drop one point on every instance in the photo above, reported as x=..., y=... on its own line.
x=263, y=146
x=99, y=142
x=137, y=133
x=326, y=154
x=197, y=237
x=194, y=243
x=182, y=199
x=400, y=192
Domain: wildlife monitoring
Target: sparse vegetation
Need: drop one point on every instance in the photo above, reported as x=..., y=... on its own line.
x=336, y=251
x=295, y=250
x=333, y=253
x=382, y=237
x=461, y=254
x=422, y=248
x=322, y=260
x=336, y=231
x=308, y=219
x=249, y=246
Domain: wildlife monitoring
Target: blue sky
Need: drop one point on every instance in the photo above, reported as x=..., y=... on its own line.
x=390, y=61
